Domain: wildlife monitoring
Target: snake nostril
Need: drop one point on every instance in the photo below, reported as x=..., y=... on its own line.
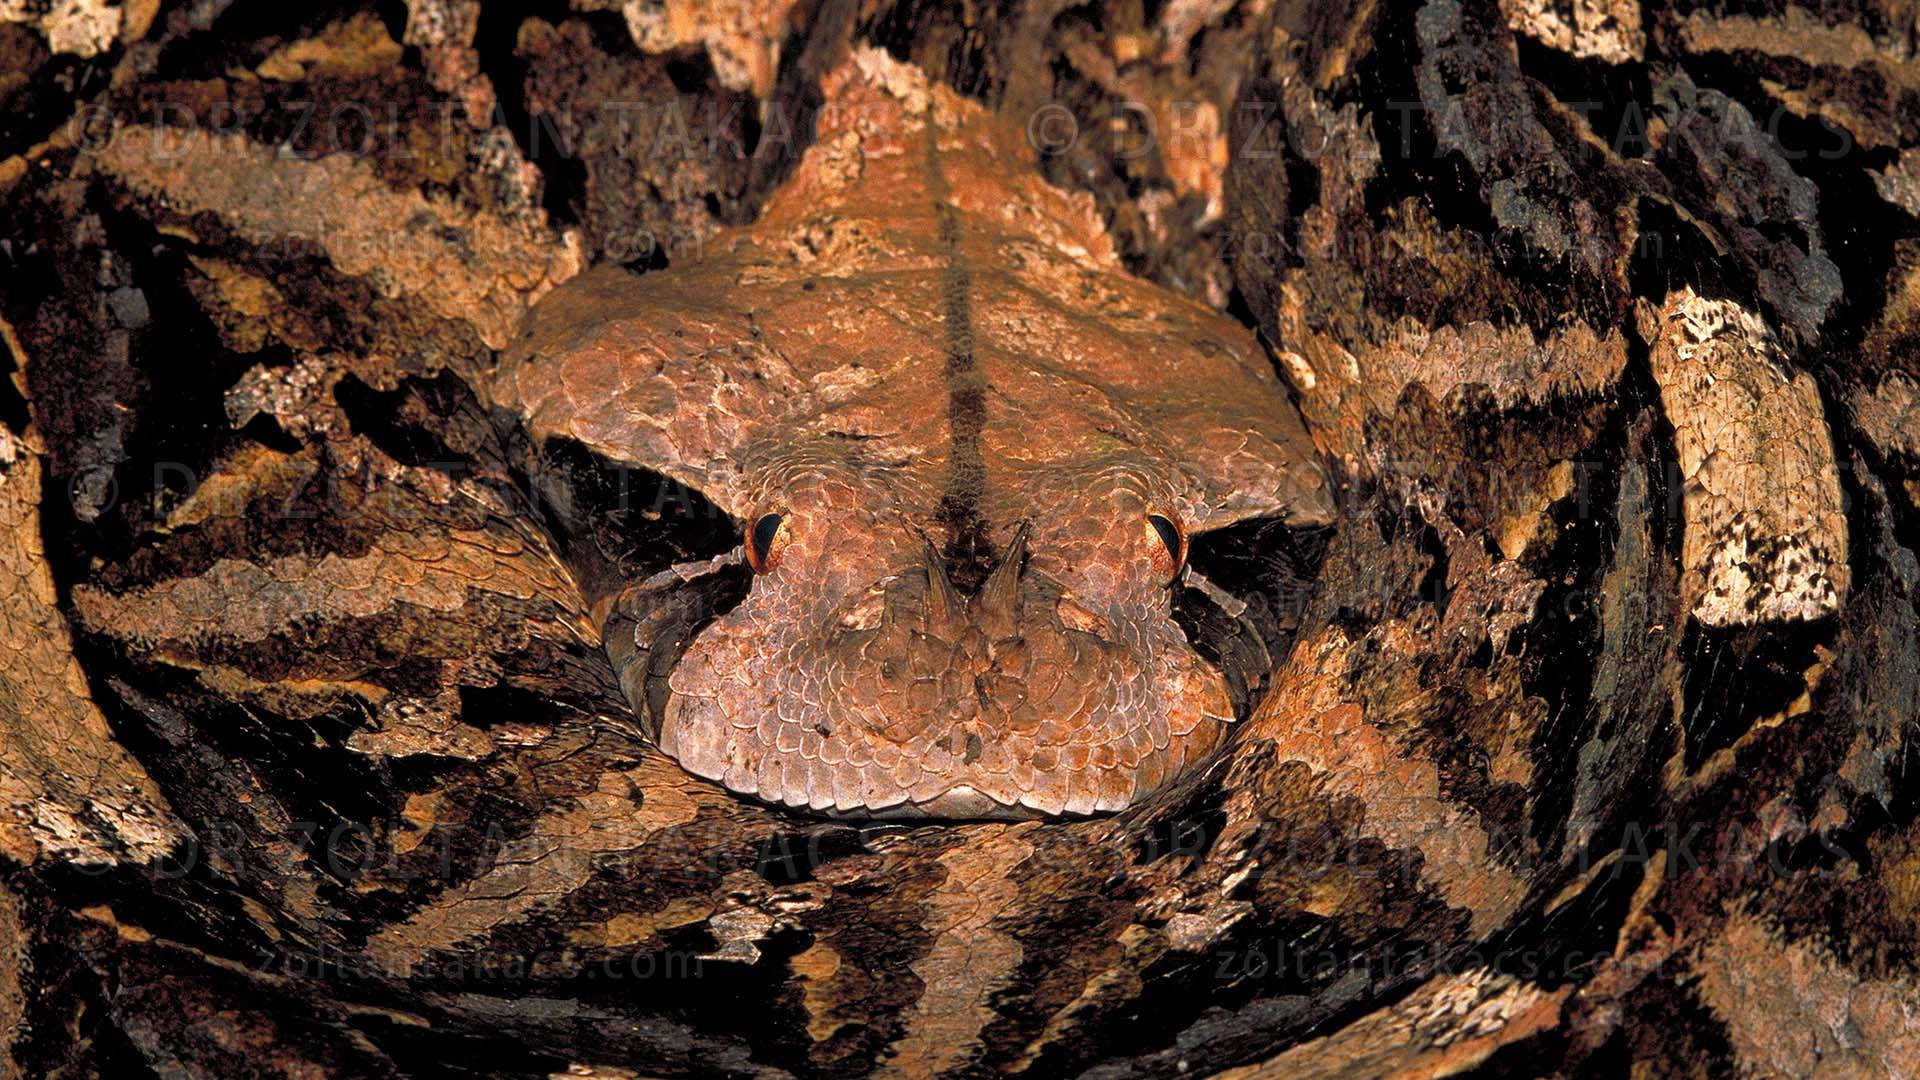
x=974, y=746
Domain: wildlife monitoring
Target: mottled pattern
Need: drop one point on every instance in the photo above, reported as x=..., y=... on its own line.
x=1766, y=537
x=313, y=763
x=67, y=790
x=932, y=367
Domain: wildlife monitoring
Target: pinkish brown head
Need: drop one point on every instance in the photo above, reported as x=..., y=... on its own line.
x=1016, y=656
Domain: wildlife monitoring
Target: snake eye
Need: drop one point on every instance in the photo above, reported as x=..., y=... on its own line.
x=1172, y=539
x=765, y=541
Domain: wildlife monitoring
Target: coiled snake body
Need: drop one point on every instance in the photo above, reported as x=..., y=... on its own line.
x=966, y=452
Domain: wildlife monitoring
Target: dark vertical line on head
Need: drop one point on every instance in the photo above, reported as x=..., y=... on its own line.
x=968, y=555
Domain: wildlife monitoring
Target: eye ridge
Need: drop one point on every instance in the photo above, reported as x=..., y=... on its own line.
x=762, y=553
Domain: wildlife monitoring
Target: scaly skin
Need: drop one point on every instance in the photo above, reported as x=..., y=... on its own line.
x=931, y=367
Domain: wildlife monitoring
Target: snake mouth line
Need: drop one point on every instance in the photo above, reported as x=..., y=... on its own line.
x=794, y=780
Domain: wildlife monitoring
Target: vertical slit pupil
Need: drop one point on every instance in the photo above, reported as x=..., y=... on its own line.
x=764, y=531
x=1169, y=534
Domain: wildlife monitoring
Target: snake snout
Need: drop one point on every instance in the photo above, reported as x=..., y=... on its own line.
x=918, y=699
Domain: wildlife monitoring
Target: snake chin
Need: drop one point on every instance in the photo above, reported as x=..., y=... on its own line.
x=910, y=700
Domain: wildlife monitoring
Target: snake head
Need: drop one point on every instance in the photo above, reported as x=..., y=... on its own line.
x=857, y=678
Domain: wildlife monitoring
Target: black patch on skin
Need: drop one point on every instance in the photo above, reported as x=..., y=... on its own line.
x=1190, y=831
x=649, y=631
x=1271, y=567
x=615, y=523
x=790, y=857
x=1738, y=675
x=1233, y=645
